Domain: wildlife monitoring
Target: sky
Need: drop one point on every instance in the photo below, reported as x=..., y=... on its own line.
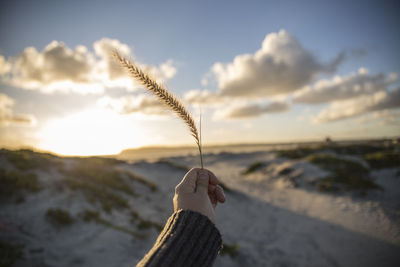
x=257, y=71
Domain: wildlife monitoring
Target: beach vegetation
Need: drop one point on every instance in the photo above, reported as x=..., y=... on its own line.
x=345, y=173
x=383, y=159
x=10, y=253
x=99, y=171
x=59, y=217
x=231, y=250
x=173, y=164
x=253, y=168
x=143, y=223
x=94, y=216
x=14, y=182
x=26, y=159
x=96, y=193
x=137, y=178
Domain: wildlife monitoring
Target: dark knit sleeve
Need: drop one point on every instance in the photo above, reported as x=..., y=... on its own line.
x=188, y=239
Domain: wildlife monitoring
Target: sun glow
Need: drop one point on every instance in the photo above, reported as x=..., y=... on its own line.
x=91, y=132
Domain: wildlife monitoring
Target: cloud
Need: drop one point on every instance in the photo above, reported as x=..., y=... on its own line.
x=5, y=67
x=382, y=100
x=7, y=115
x=55, y=68
x=60, y=68
x=143, y=103
x=205, y=97
x=251, y=110
x=341, y=88
x=282, y=65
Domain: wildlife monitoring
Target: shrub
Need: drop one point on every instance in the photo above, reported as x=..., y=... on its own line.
x=146, y=224
x=383, y=159
x=14, y=181
x=25, y=159
x=296, y=153
x=137, y=178
x=59, y=217
x=10, y=253
x=173, y=165
x=101, y=171
x=347, y=173
x=95, y=193
x=143, y=223
x=253, y=167
x=230, y=250
x=94, y=216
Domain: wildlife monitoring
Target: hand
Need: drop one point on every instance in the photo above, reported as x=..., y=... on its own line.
x=199, y=191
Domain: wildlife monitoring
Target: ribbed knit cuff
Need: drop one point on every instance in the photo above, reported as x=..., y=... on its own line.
x=188, y=239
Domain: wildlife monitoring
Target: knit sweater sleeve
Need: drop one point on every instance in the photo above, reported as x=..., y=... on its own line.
x=188, y=239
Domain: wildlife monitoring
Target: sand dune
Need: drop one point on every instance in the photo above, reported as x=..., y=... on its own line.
x=106, y=212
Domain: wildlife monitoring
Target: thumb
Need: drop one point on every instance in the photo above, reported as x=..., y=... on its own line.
x=202, y=182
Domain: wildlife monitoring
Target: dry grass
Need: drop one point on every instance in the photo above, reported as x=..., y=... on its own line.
x=164, y=95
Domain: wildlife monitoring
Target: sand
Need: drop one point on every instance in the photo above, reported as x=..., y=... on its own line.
x=272, y=215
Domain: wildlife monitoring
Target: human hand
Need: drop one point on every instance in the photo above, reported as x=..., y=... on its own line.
x=199, y=191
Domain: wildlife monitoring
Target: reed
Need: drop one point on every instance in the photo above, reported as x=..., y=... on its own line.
x=165, y=96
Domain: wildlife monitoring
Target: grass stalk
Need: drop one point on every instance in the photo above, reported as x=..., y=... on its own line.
x=165, y=96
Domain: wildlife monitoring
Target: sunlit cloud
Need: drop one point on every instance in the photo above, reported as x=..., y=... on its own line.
x=60, y=68
x=142, y=103
x=282, y=65
x=110, y=73
x=241, y=111
x=387, y=117
x=7, y=115
x=382, y=100
x=341, y=88
x=5, y=67
x=204, y=97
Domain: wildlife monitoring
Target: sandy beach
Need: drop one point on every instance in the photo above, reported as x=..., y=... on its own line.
x=278, y=211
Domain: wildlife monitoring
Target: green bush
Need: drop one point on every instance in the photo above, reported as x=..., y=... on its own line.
x=137, y=178
x=296, y=153
x=59, y=217
x=253, y=167
x=101, y=171
x=94, y=216
x=230, y=250
x=337, y=164
x=14, y=181
x=383, y=159
x=173, y=164
x=146, y=224
x=96, y=193
x=350, y=174
x=10, y=253
x=25, y=159
x=143, y=223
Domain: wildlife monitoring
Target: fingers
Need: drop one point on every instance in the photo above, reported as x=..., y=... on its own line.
x=219, y=193
x=216, y=193
x=188, y=183
x=213, y=200
x=213, y=178
x=202, y=181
